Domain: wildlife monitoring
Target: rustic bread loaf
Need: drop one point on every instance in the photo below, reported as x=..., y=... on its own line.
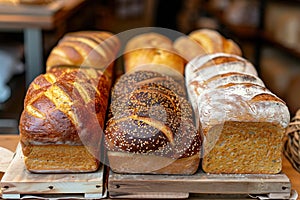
x=63, y=119
x=151, y=127
x=205, y=41
x=64, y=112
x=243, y=123
x=96, y=49
x=152, y=48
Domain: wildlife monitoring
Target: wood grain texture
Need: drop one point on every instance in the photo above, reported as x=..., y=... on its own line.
x=18, y=181
x=200, y=183
x=10, y=142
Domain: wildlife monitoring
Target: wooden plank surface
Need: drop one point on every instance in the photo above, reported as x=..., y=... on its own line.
x=200, y=183
x=18, y=181
x=10, y=142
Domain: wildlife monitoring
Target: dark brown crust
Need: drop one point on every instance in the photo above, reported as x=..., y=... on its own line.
x=131, y=81
x=150, y=119
x=55, y=125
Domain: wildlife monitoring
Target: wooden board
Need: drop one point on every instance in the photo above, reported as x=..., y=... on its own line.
x=178, y=186
x=17, y=182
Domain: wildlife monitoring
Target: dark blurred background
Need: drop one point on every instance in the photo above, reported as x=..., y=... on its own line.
x=268, y=32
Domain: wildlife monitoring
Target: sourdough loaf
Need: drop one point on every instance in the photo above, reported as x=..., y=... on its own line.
x=243, y=123
x=151, y=127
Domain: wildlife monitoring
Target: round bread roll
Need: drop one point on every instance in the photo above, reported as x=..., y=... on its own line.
x=149, y=40
x=152, y=48
x=158, y=56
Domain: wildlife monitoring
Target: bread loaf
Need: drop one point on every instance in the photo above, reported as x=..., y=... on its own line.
x=152, y=48
x=63, y=118
x=64, y=112
x=205, y=41
x=95, y=49
x=151, y=127
x=243, y=123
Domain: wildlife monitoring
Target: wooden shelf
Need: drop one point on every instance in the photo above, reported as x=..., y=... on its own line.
x=286, y=1
x=272, y=41
x=257, y=34
x=241, y=31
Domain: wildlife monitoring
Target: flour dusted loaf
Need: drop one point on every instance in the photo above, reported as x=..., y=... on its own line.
x=152, y=48
x=151, y=128
x=205, y=41
x=243, y=123
x=61, y=126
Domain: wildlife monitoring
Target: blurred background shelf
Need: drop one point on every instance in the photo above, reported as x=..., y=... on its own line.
x=268, y=32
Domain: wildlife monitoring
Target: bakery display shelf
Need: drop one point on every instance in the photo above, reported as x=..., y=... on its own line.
x=241, y=31
x=18, y=183
x=43, y=10
x=272, y=41
x=275, y=186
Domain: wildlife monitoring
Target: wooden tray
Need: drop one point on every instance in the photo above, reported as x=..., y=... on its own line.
x=17, y=183
x=177, y=186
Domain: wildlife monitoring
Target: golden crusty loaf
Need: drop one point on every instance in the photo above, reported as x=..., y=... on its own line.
x=205, y=41
x=64, y=112
x=63, y=118
x=95, y=49
x=152, y=48
x=242, y=122
x=151, y=127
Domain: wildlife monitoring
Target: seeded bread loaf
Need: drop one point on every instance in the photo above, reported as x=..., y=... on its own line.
x=243, y=123
x=151, y=127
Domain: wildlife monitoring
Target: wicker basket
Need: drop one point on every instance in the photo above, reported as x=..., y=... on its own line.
x=292, y=144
